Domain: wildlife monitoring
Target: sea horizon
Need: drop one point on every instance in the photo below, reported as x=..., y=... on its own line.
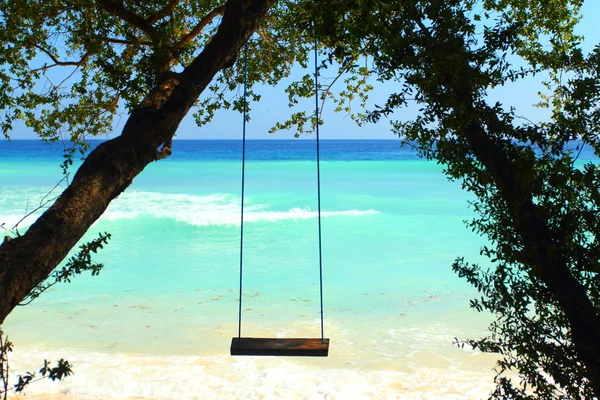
x=158, y=320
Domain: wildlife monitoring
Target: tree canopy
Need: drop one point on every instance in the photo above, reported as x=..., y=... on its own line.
x=535, y=206
x=150, y=58
x=537, y=209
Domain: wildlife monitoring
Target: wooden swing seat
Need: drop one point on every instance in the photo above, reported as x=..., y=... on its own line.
x=302, y=347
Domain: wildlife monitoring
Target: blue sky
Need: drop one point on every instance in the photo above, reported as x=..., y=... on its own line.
x=273, y=106
x=227, y=125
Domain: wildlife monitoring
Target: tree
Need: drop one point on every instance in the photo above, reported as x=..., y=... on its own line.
x=158, y=61
x=536, y=208
x=154, y=58
x=62, y=370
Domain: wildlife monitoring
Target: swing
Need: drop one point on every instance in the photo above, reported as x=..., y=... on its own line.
x=251, y=346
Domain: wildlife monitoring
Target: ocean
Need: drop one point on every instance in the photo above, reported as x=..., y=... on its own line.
x=158, y=320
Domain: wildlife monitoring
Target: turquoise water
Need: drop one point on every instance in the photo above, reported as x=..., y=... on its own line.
x=156, y=323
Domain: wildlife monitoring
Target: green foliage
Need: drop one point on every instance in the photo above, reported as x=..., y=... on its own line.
x=78, y=263
x=67, y=67
x=5, y=347
x=343, y=73
x=447, y=55
x=62, y=369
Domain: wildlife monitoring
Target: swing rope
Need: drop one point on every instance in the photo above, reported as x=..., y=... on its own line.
x=245, y=60
x=243, y=181
x=319, y=189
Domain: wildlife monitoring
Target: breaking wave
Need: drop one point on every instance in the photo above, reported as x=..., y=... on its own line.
x=214, y=209
x=195, y=210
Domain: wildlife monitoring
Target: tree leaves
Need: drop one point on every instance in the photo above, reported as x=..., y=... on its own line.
x=80, y=262
x=447, y=60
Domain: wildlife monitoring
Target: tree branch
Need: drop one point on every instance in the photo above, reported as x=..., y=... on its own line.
x=56, y=61
x=347, y=65
x=267, y=40
x=424, y=29
x=168, y=10
x=117, y=9
x=111, y=167
x=123, y=41
x=344, y=68
x=165, y=151
x=200, y=26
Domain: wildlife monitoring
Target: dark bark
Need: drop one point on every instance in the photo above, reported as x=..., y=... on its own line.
x=548, y=262
x=544, y=255
x=108, y=170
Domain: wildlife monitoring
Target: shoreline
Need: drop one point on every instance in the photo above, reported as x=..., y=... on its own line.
x=124, y=377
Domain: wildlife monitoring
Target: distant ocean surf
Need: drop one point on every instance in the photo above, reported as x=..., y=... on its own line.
x=157, y=322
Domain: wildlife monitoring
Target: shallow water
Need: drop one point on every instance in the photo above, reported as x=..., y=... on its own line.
x=158, y=320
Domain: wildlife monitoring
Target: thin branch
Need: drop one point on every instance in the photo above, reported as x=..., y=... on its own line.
x=32, y=298
x=53, y=87
x=4, y=349
x=123, y=41
x=66, y=78
x=269, y=44
x=117, y=9
x=200, y=26
x=266, y=39
x=423, y=28
x=343, y=70
x=56, y=61
x=346, y=66
x=168, y=10
x=43, y=203
x=16, y=386
x=46, y=67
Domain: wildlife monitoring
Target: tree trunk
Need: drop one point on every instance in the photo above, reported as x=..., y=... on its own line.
x=548, y=263
x=28, y=260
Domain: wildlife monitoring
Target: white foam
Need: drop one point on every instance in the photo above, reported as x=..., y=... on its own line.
x=120, y=376
x=195, y=210
x=214, y=209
